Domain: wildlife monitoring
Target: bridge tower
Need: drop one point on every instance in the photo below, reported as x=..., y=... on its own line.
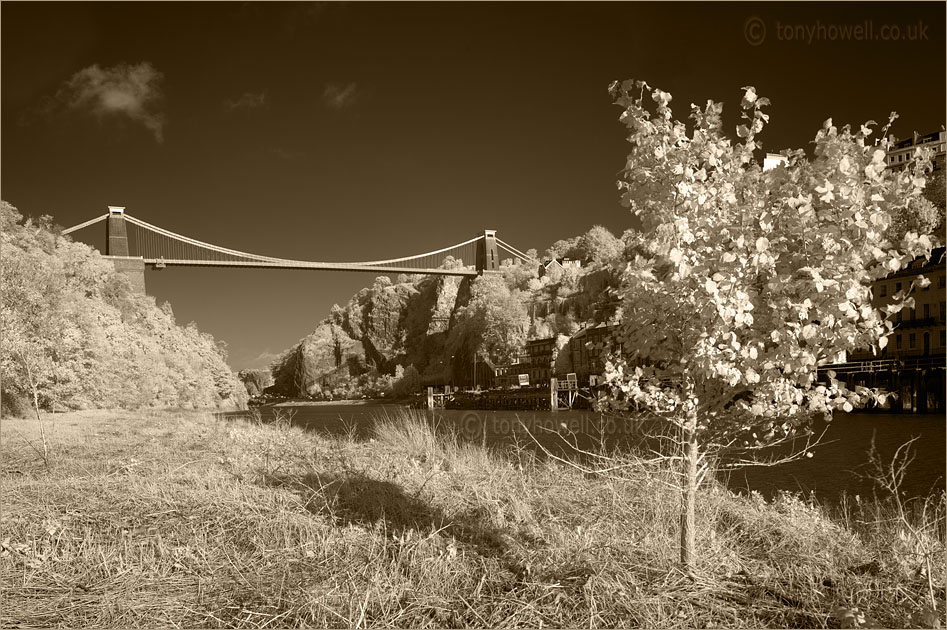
x=116, y=250
x=488, y=258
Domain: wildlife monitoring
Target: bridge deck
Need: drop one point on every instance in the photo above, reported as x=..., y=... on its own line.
x=316, y=266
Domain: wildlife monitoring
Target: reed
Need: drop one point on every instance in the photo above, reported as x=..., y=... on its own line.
x=183, y=519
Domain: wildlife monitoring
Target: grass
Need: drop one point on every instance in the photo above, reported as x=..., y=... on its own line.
x=180, y=519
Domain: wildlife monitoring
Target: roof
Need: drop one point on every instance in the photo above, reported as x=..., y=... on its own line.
x=534, y=342
x=597, y=327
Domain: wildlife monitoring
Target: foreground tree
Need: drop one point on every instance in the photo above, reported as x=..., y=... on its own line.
x=744, y=282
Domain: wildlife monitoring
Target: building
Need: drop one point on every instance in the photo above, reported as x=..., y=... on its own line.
x=912, y=365
x=902, y=153
x=919, y=331
x=772, y=160
x=538, y=357
x=534, y=360
x=555, y=267
x=585, y=353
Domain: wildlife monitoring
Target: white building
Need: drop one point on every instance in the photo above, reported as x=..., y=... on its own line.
x=902, y=153
x=772, y=160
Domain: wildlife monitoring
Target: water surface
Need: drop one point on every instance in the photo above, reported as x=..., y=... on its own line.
x=840, y=464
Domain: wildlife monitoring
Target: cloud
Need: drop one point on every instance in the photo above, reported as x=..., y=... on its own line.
x=246, y=102
x=132, y=91
x=261, y=361
x=339, y=97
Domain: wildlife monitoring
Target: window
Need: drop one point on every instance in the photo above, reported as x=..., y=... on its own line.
x=942, y=339
x=927, y=311
x=884, y=290
x=942, y=282
x=897, y=342
x=943, y=311
x=912, y=338
x=897, y=287
x=900, y=157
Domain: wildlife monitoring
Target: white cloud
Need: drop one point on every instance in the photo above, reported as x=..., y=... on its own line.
x=133, y=91
x=247, y=101
x=340, y=96
x=261, y=361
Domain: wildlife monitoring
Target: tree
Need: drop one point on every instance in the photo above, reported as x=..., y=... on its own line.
x=935, y=191
x=749, y=280
x=566, y=248
x=601, y=246
x=920, y=216
x=407, y=381
x=76, y=336
x=494, y=321
x=450, y=262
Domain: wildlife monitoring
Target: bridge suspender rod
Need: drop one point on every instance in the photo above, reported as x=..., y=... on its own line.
x=191, y=241
x=86, y=224
x=258, y=257
x=439, y=251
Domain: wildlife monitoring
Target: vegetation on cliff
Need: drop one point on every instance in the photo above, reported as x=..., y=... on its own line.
x=75, y=336
x=442, y=326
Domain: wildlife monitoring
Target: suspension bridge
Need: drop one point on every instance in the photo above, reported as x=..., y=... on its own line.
x=133, y=245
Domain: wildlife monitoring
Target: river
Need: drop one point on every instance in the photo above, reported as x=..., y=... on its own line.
x=838, y=465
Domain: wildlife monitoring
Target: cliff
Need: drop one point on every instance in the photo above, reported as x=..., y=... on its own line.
x=438, y=324
x=382, y=327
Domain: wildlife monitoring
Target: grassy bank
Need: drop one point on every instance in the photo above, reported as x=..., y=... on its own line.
x=180, y=519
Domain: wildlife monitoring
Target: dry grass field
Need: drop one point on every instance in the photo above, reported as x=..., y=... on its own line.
x=180, y=519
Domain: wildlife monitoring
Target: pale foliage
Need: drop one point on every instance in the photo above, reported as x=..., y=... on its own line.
x=744, y=282
x=601, y=246
x=494, y=322
x=751, y=279
x=73, y=327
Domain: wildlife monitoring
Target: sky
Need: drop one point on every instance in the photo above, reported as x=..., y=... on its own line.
x=354, y=131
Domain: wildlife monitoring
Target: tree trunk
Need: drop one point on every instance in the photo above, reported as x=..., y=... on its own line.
x=689, y=493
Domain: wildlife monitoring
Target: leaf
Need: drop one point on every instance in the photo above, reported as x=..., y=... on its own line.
x=762, y=244
x=752, y=377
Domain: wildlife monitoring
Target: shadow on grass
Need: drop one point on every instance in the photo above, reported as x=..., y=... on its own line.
x=358, y=499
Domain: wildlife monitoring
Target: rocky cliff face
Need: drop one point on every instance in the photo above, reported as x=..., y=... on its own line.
x=383, y=326
x=418, y=321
